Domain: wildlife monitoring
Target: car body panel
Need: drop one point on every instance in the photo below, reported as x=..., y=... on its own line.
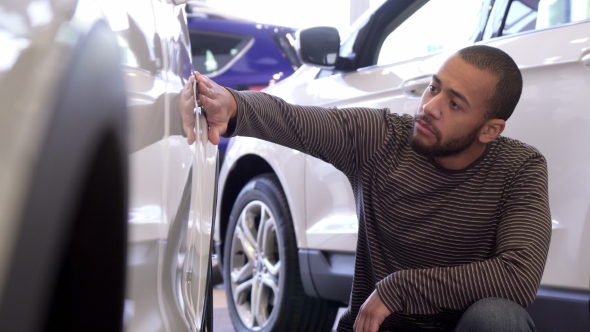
x=155, y=72
x=552, y=75
x=39, y=39
x=260, y=62
x=289, y=161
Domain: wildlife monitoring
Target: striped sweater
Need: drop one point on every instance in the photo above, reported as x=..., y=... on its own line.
x=431, y=241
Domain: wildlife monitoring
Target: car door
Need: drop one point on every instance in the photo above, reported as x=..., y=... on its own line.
x=171, y=183
x=134, y=23
x=411, y=45
x=550, y=42
x=187, y=255
x=552, y=113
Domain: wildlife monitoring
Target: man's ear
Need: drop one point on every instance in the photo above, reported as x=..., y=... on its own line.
x=491, y=130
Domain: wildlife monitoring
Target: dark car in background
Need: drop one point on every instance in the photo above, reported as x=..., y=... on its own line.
x=238, y=53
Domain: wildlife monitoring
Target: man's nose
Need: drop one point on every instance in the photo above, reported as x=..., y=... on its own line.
x=433, y=107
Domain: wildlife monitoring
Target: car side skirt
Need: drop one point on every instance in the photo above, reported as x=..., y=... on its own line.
x=559, y=309
x=328, y=275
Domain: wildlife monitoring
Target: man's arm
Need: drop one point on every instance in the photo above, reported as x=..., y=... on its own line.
x=343, y=137
x=515, y=271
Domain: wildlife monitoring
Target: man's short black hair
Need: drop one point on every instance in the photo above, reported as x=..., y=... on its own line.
x=500, y=64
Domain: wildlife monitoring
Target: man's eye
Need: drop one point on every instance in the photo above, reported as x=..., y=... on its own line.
x=431, y=88
x=454, y=105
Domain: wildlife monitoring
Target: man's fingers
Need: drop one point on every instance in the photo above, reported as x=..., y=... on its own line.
x=203, y=90
x=190, y=137
x=214, y=136
x=359, y=322
x=367, y=324
x=188, y=91
x=211, y=96
x=205, y=100
x=203, y=79
x=373, y=325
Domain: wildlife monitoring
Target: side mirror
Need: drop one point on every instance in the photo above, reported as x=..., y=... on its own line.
x=318, y=46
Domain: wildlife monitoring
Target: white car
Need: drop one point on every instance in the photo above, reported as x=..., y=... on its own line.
x=105, y=210
x=300, y=211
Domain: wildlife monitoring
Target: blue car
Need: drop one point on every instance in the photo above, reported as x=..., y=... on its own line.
x=239, y=53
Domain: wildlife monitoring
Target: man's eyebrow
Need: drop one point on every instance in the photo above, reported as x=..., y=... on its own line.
x=434, y=77
x=459, y=95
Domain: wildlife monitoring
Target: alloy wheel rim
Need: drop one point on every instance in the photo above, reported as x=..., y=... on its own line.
x=255, y=265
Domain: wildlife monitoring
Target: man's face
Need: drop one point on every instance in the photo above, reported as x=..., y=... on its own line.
x=452, y=110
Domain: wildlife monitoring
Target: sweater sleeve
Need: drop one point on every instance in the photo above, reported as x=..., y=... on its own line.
x=513, y=273
x=343, y=137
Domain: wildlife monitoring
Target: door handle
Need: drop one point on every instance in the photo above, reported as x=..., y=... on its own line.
x=414, y=87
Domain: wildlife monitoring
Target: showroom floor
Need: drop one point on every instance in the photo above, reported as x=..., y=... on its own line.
x=221, y=321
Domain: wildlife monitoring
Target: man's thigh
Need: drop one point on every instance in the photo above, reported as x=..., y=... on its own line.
x=495, y=314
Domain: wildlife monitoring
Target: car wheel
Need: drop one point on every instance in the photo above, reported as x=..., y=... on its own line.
x=261, y=267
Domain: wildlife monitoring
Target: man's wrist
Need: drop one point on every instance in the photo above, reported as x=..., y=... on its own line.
x=231, y=127
x=388, y=293
x=232, y=114
x=233, y=110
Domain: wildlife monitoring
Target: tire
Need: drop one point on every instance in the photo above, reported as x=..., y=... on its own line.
x=271, y=268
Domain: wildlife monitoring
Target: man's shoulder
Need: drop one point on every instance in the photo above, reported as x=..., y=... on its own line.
x=400, y=122
x=403, y=118
x=513, y=151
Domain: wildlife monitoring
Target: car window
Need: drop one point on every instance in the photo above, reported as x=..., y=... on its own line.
x=438, y=25
x=524, y=15
x=213, y=52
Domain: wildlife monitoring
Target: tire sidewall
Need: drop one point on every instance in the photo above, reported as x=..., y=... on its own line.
x=267, y=190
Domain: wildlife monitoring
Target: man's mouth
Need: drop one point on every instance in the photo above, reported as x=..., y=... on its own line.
x=425, y=127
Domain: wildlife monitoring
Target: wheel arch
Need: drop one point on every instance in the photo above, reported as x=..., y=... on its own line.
x=83, y=157
x=243, y=170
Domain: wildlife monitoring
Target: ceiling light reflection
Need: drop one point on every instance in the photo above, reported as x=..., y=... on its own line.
x=579, y=41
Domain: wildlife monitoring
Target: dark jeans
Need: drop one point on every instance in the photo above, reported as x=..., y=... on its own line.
x=495, y=314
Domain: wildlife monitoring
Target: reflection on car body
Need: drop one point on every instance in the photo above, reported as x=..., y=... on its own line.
x=103, y=178
x=239, y=53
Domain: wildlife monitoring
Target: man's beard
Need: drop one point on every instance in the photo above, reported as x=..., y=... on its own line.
x=451, y=147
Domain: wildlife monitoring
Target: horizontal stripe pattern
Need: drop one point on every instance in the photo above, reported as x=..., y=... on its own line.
x=431, y=241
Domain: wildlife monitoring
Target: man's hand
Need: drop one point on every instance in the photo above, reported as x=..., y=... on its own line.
x=372, y=313
x=219, y=105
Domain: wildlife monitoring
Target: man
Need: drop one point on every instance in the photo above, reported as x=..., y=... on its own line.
x=454, y=221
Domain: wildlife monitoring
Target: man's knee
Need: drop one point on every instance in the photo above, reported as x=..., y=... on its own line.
x=495, y=314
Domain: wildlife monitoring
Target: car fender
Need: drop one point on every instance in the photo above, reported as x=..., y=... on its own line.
x=287, y=164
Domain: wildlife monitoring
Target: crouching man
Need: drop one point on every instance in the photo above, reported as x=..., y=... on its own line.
x=454, y=221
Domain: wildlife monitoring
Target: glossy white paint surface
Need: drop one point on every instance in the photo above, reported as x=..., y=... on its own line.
x=165, y=288
x=37, y=39
x=287, y=164
x=553, y=115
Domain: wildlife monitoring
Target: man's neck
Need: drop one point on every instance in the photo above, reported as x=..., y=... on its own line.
x=463, y=159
